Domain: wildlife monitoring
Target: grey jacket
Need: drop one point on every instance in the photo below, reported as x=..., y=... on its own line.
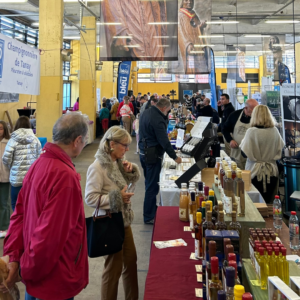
x=21, y=151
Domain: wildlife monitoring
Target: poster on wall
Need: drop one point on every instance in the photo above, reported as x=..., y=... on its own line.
x=236, y=63
x=273, y=48
x=192, y=37
x=290, y=110
x=273, y=102
x=135, y=30
x=19, y=67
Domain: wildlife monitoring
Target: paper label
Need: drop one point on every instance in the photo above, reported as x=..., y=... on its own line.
x=182, y=213
x=191, y=220
x=294, y=228
x=198, y=268
x=227, y=205
x=193, y=235
x=199, y=277
x=187, y=228
x=192, y=256
x=197, y=248
x=276, y=211
x=238, y=202
x=199, y=293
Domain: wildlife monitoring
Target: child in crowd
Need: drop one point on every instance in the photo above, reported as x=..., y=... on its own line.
x=4, y=182
x=136, y=124
x=104, y=117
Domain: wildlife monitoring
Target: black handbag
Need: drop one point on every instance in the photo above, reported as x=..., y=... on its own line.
x=105, y=234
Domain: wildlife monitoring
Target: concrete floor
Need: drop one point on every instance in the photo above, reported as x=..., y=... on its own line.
x=142, y=233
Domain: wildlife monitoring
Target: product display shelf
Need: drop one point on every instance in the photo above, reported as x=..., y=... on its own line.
x=253, y=219
x=249, y=277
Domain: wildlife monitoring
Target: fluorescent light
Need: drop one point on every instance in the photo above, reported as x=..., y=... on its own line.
x=197, y=51
x=99, y=23
x=255, y=35
x=71, y=37
x=122, y=37
x=211, y=36
x=133, y=46
x=163, y=23
x=204, y=45
x=87, y=1
x=222, y=22
x=13, y=1
x=282, y=21
x=35, y=24
x=98, y=46
x=162, y=45
x=285, y=45
x=230, y=51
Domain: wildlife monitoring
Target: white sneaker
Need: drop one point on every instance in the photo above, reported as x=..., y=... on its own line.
x=3, y=234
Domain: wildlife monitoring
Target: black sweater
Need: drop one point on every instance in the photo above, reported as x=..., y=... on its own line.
x=228, y=109
x=229, y=125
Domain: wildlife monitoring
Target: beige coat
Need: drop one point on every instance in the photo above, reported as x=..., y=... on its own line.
x=113, y=111
x=4, y=170
x=106, y=178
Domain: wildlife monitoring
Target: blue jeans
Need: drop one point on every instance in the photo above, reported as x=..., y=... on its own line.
x=151, y=173
x=14, y=192
x=28, y=297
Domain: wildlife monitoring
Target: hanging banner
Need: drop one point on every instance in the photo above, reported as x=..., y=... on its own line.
x=273, y=48
x=283, y=73
x=135, y=30
x=123, y=79
x=236, y=63
x=19, y=67
x=212, y=82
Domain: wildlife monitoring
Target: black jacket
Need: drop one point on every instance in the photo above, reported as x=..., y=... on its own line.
x=153, y=128
x=228, y=109
x=228, y=127
x=208, y=111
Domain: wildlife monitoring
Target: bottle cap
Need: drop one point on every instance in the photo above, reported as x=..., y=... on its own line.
x=267, y=245
x=214, y=264
x=267, y=236
x=220, y=206
x=293, y=213
x=193, y=197
x=231, y=257
x=276, y=249
x=212, y=248
x=239, y=291
x=203, y=203
x=211, y=193
x=247, y=296
x=201, y=199
x=233, y=264
x=254, y=235
x=277, y=197
x=226, y=242
x=206, y=190
x=200, y=186
x=228, y=174
x=199, y=217
x=229, y=249
x=210, y=204
x=261, y=251
x=183, y=185
x=257, y=246
x=278, y=242
x=269, y=251
x=273, y=237
x=230, y=276
x=221, y=295
x=283, y=251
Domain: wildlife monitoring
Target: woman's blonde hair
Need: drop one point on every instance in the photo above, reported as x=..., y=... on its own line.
x=116, y=134
x=261, y=116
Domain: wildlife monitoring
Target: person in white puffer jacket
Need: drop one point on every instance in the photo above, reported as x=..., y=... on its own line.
x=21, y=151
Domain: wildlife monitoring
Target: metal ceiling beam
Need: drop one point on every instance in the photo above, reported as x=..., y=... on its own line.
x=69, y=22
x=88, y=9
x=34, y=3
x=282, y=1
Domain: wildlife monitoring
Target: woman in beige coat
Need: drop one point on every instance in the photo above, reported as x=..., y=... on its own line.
x=107, y=180
x=113, y=112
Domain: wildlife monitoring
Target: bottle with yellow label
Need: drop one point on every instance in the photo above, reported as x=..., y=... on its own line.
x=184, y=203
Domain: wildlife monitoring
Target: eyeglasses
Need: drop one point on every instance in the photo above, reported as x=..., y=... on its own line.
x=124, y=145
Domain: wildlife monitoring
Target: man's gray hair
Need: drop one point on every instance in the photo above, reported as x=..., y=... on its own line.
x=163, y=103
x=68, y=128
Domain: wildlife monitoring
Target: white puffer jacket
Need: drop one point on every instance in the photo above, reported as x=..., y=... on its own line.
x=21, y=151
x=4, y=171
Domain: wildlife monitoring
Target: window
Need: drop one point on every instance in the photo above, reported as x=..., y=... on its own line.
x=253, y=77
x=251, y=62
x=66, y=95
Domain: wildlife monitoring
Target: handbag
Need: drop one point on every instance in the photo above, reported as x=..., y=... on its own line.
x=105, y=234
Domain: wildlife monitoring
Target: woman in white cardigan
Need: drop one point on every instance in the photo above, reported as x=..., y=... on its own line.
x=263, y=145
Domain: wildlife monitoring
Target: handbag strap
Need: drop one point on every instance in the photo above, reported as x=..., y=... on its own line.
x=108, y=213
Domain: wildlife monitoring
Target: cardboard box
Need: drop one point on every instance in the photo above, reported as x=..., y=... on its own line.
x=276, y=287
x=214, y=235
x=295, y=284
x=235, y=241
x=207, y=176
x=246, y=175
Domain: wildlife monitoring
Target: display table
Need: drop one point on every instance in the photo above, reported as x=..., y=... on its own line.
x=172, y=274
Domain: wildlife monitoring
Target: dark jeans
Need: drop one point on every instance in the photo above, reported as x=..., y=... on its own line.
x=151, y=173
x=272, y=188
x=28, y=297
x=14, y=192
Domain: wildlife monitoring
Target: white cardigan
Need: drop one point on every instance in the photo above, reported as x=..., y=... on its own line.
x=263, y=146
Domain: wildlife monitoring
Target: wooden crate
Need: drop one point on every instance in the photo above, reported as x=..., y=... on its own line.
x=207, y=176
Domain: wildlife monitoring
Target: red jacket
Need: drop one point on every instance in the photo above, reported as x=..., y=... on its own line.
x=120, y=106
x=47, y=232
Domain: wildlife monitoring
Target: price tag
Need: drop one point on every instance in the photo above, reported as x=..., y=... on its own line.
x=199, y=293
x=199, y=277
x=198, y=268
x=193, y=256
x=187, y=228
x=193, y=235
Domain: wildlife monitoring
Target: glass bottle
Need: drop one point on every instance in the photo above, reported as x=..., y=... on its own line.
x=215, y=284
x=208, y=224
x=239, y=291
x=206, y=193
x=272, y=263
x=211, y=196
x=192, y=207
x=198, y=236
x=203, y=210
x=240, y=192
x=199, y=194
x=264, y=269
x=235, y=225
x=228, y=187
x=212, y=251
x=233, y=170
x=221, y=171
x=230, y=283
x=283, y=267
x=228, y=250
x=217, y=167
x=220, y=224
x=184, y=203
x=200, y=201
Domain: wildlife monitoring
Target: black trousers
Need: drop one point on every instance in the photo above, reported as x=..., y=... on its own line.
x=272, y=187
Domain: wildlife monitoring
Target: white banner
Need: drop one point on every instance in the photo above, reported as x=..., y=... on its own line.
x=19, y=67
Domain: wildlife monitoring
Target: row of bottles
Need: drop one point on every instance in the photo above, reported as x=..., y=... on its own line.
x=231, y=186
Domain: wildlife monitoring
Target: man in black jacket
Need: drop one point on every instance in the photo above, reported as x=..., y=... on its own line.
x=208, y=111
x=235, y=129
x=153, y=134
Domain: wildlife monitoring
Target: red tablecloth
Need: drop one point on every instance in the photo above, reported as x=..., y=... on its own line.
x=172, y=274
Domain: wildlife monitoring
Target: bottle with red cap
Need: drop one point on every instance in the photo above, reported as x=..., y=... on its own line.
x=264, y=269
x=294, y=231
x=283, y=267
x=277, y=213
x=214, y=285
x=247, y=296
x=206, y=193
x=233, y=263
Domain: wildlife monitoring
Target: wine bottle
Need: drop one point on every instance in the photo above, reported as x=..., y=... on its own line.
x=215, y=284
x=198, y=236
x=184, y=203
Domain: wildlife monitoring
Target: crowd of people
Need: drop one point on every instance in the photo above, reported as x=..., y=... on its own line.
x=46, y=237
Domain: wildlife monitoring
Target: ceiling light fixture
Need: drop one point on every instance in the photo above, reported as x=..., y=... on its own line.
x=255, y=35
x=71, y=37
x=211, y=36
x=13, y=1
x=204, y=46
x=162, y=45
x=123, y=37
x=222, y=22
x=133, y=46
x=163, y=23
x=282, y=21
x=197, y=51
x=87, y=1
x=100, y=23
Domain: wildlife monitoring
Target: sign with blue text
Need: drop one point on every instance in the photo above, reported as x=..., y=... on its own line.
x=123, y=79
x=212, y=82
x=19, y=67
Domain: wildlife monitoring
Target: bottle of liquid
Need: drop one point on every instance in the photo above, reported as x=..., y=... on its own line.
x=228, y=187
x=208, y=224
x=220, y=224
x=239, y=291
x=211, y=196
x=230, y=283
x=233, y=169
x=235, y=225
x=215, y=284
x=192, y=207
x=294, y=231
x=212, y=251
x=217, y=167
x=222, y=172
x=269, y=258
x=247, y=296
x=206, y=193
x=221, y=295
x=228, y=250
x=200, y=200
x=277, y=213
x=284, y=267
x=264, y=269
x=203, y=210
x=199, y=194
x=198, y=236
x=276, y=260
x=184, y=203
x=240, y=192
x=210, y=204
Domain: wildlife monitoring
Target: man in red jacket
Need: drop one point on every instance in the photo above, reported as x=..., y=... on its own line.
x=46, y=240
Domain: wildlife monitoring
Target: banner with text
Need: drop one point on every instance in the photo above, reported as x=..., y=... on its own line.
x=123, y=79
x=19, y=67
x=212, y=82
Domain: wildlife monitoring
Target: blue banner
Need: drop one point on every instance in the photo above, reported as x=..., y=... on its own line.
x=212, y=82
x=123, y=79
